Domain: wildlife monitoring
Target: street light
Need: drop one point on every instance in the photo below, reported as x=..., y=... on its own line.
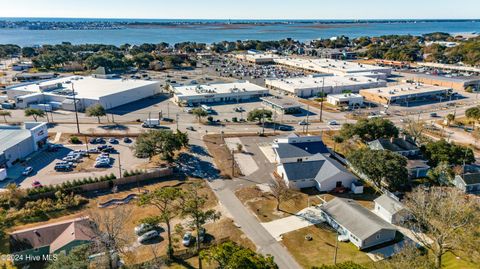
x=75, y=107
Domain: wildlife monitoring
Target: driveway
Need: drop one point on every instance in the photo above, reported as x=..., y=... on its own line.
x=306, y=217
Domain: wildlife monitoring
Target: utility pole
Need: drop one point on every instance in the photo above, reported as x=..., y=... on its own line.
x=321, y=100
x=274, y=121
x=168, y=110
x=176, y=120
x=336, y=248
x=263, y=124
x=233, y=163
x=308, y=114
x=75, y=107
x=119, y=166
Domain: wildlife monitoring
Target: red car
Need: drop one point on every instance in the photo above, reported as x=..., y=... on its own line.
x=37, y=184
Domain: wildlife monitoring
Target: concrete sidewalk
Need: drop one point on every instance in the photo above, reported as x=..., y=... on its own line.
x=307, y=217
x=265, y=243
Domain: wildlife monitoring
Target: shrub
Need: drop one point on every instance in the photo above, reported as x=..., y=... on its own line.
x=75, y=140
x=235, y=119
x=210, y=118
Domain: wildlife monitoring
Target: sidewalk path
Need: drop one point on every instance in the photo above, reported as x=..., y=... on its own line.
x=306, y=217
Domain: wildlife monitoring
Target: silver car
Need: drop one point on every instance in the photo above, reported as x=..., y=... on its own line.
x=148, y=236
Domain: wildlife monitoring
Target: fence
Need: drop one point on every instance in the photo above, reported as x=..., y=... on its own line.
x=108, y=184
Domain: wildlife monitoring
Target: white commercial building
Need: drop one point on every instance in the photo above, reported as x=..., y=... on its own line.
x=59, y=93
x=329, y=66
x=345, y=99
x=404, y=94
x=313, y=85
x=18, y=142
x=217, y=92
x=257, y=58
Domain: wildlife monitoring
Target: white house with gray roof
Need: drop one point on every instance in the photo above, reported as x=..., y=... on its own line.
x=361, y=226
x=304, y=162
x=389, y=208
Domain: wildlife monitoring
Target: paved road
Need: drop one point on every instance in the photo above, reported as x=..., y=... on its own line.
x=265, y=242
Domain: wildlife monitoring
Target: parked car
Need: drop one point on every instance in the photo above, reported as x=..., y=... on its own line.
x=37, y=184
x=333, y=122
x=190, y=128
x=108, y=149
x=143, y=228
x=201, y=234
x=303, y=122
x=94, y=150
x=102, y=147
x=285, y=128
x=433, y=115
x=54, y=147
x=127, y=140
x=99, y=140
x=92, y=141
x=63, y=167
x=27, y=171
x=148, y=236
x=187, y=239
x=102, y=164
x=113, y=141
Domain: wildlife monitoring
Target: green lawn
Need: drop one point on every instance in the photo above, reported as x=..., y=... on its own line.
x=321, y=249
x=450, y=261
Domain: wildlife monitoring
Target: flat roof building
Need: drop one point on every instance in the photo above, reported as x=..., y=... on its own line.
x=257, y=58
x=217, y=92
x=456, y=83
x=329, y=66
x=109, y=93
x=453, y=67
x=282, y=105
x=312, y=85
x=345, y=99
x=404, y=94
x=17, y=142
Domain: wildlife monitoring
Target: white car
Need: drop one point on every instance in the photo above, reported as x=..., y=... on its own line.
x=143, y=228
x=187, y=239
x=148, y=236
x=303, y=122
x=27, y=171
x=333, y=122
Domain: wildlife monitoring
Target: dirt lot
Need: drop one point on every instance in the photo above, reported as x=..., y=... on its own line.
x=263, y=204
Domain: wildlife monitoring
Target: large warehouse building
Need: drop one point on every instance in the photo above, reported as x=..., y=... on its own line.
x=456, y=83
x=329, y=66
x=313, y=85
x=217, y=92
x=19, y=142
x=59, y=93
x=405, y=94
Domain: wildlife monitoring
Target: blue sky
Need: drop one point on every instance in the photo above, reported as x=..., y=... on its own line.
x=243, y=9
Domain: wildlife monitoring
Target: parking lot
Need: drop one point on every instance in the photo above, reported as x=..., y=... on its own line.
x=44, y=162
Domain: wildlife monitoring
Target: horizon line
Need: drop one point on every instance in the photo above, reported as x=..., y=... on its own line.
x=245, y=19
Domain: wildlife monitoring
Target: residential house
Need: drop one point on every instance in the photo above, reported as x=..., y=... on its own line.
x=389, y=208
x=405, y=146
x=304, y=162
x=469, y=183
x=361, y=226
x=53, y=238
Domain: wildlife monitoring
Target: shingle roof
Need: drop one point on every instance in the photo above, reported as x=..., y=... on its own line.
x=398, y=144
x=390, y=204
x=53, y=235
x=292, y=150
x=303, y=170
x=471, y=178
x=355, y=218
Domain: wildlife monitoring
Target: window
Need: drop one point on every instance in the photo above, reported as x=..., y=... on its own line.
x=377, y=236
x=299, y=160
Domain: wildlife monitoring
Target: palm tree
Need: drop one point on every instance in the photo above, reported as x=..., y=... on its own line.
x=5, y=114
x=450, y=118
